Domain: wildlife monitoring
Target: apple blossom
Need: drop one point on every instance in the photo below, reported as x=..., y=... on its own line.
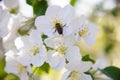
x=76, y=71
x=14, y=66
x=56, y=21
x=63, y=50
x=84, y=30
x=32, y=50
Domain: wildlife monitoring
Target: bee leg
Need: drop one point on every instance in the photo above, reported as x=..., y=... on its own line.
x=55, y=30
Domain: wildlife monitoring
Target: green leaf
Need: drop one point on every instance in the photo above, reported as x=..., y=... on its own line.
x=112, y=72
x=39, y=7
x=45, y=67
x=87, y=58
x=30, y=2
x=72, y=2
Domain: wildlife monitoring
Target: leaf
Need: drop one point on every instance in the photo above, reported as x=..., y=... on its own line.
x=30, y=2
x=72, y=2
x=39, y=7
x=112, y=72
x=87, y=58
x=45, y=67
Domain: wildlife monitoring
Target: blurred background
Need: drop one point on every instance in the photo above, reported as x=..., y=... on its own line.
x=104, y=13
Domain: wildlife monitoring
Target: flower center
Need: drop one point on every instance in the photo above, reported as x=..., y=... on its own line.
x=74, y=75
x=83, y=31
x=62, y=50
x=20, y=68
x=34, y=50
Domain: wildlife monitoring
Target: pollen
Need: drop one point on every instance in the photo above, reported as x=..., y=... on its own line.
x=34, y=50
x=74, y=75
x=20, y=68
x=62, y=50
x=83, y=32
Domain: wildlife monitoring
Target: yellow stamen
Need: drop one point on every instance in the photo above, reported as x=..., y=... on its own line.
x=61, y=49
x=34, y=50
x=83, y=32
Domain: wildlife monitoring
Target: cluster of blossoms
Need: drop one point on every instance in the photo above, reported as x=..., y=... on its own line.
x=59, y=49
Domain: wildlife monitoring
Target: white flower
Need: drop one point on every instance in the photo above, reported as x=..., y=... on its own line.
x=76, y=71
x=32, y=50
x=84, y=30
x=63, y=50
x=15, y=22
x=14, y=66
x=4, y=19
x=56, y=21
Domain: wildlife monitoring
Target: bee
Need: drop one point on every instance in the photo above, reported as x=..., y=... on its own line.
x=59, y=28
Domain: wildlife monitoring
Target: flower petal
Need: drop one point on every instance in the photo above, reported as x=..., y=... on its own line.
x=4, y=20
x=38, y=60
x=52, y=10
x=49, y=42
x=67, y=13
x=56, y=61
x=25, y=58
x=67, y=30
x=85, y=77
x=73, y=54
x=65, y=75
x=42, y=23
x=35, y=37
x=85, y=66
x=91, y=36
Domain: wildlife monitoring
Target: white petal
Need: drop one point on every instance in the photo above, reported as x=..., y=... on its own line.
x=85, y=66
x=49, y=42
x=65, y=75
x=90, y=38
x=35, y=37
x=11, y=3
x=38, y=60
x=82, y=20
x=25, y=58
x=67, y=30
x=29, y=69
x=22, y=42
x=11, y=68
x=11, y=64
x=73, y=54
x=85, y=77
x=43, y=23
x=67, y=13
x=77, y=23
x=4, y=19
x=74, y=24
x=93, y=28
x=56, y=61
x=101, y=63
x=70, y=66
x=23, y=75
x=69, y=40
x=53, y=10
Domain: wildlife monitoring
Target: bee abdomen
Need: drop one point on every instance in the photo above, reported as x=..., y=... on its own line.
x=59, y=28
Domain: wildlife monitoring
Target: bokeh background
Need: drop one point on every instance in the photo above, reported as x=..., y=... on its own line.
x=104, y=13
